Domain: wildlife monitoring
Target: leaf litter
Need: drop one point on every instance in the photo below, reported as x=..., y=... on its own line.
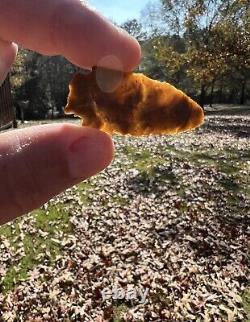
x=170, y=214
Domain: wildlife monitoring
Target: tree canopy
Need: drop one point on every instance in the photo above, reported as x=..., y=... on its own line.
x=201, y=46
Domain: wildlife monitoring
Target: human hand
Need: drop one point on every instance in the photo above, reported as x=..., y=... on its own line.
x=39, y=162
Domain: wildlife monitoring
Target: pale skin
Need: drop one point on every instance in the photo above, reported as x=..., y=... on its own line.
x=38, y=163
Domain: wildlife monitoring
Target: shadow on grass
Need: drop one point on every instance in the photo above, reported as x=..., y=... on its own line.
x=239, y=129
x=230, y=110
x=152, y=179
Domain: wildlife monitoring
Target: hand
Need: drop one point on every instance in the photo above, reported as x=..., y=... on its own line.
x=40, y=162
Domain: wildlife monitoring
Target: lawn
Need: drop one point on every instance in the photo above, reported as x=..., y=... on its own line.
x=170, y=214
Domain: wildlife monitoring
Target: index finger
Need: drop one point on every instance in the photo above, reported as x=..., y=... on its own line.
x=69, y=28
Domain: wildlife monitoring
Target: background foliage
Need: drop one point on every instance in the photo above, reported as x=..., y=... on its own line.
x=201, y=46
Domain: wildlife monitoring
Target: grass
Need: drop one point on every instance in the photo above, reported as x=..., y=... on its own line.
x=154, y=170
x=160, y=297
x=51, y=222
x=56, y=219
x=143, y=160
x=223, y=161
x=35, y=247
x=229, y=184
x=246, y=303
x=119, y=310
x=229, y=162
x=84, y=189
x=150, y=166
x=119, y=200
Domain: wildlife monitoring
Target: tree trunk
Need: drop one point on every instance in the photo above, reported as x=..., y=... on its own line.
x=202, y=96
x=243, y=89
x=220, y=94
x=7, y=115
x=212, y=94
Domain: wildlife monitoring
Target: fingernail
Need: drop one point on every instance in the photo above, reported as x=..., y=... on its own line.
x=89, y=155
x=3, y=71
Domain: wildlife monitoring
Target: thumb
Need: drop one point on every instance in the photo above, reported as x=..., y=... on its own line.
x=38, y=163
x=8, y=52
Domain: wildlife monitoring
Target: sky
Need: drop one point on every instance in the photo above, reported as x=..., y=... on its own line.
x=120, y=10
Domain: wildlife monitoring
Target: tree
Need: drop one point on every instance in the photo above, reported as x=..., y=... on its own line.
x=216, y=34
x=134, y=28
x=7, y=116
x=152, y=19
x=40, y=84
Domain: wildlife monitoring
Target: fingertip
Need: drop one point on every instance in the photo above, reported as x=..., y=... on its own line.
x=88, y=150
x=14, y=49
x=105, y=140
x=89, y=39
x=41, y=162
x=8, y=52
x=135, y=56
x=132, y=53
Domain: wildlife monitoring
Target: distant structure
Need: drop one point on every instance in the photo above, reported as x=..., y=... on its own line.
x=7, y=114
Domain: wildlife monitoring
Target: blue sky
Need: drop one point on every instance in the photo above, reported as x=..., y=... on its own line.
x=120, y=10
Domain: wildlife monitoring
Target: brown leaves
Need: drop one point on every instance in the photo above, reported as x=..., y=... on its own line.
x=166, y=216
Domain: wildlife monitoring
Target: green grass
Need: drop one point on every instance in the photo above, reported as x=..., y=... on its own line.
x=84, y=189
x=160, y=297
x=151, y=167
x=236, y=155
x=225, y=161
x=142, y=159
x=119, y=200
x=51, y=222
x=246, y=304
x=36, y=247
x=228, y=161
x=119, y=310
